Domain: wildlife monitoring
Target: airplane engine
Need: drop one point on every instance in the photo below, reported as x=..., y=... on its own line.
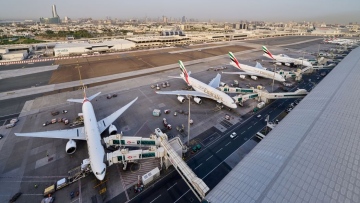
x=242, y=76
x=70, y=147
x=278, y=63
x=287, y=64
x=181, y=99
x=112, y=130
x=197, y=100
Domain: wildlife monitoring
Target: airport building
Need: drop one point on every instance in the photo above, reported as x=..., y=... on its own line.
x=69, y=49
x=15, y=53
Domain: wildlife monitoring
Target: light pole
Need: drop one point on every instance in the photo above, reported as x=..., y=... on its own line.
x=189, y=97
x=272, y=88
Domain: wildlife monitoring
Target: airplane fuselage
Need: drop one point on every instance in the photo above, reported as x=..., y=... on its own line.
x=290, y=60
x=215, y=94
x=262, y=72
x=95, y=149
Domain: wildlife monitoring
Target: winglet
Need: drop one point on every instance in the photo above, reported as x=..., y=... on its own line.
x=184, y=71
x=233, y=59
x=266, y=51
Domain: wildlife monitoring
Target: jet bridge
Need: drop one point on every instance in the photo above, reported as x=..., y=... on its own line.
x=262, y=95
x=124, y=155
x=119, y=140
x=169, y=153
x=196, y=184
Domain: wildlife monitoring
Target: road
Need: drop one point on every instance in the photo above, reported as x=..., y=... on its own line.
x=209, y=164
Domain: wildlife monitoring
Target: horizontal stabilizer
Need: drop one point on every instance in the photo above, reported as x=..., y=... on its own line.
x=93, y=96
x=76, y=100
x=82, y=100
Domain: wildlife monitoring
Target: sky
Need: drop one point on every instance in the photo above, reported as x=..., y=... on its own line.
x=330, y=11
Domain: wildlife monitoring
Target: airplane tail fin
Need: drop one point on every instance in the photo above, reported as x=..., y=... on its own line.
x=233, y=59
x=184, y=71
x=266, y=51
x=258, y=65
x=82, y=100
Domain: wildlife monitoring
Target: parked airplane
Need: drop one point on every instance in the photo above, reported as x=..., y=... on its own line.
x=90, y=132
x=201, y=89
x=284, y=59
x=258, y=70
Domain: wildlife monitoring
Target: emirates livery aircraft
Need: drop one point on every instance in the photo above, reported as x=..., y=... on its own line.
x=285, y=60
x=90, y=132
x=258, y=70
x=201, y=89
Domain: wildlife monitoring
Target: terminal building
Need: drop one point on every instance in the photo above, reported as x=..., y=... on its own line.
x=70, y=49
x=312, y=155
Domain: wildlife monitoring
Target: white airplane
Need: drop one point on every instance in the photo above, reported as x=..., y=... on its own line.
x=90, y=132
x=258, y=70
x=201, y=89
x=284, y=59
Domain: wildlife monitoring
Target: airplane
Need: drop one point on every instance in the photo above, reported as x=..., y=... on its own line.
x=258, y=70
x=201, y=89
x=90, y=132
x=284, y=59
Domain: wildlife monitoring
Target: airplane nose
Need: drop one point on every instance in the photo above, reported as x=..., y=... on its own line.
x=234, y=106
x=100, y=177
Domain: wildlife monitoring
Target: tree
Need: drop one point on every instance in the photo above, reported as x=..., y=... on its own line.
x=49, y=32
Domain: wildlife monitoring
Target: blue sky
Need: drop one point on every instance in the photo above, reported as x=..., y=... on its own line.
x=276, y=10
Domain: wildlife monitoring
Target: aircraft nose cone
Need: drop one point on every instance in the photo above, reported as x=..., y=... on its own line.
x=100, y=177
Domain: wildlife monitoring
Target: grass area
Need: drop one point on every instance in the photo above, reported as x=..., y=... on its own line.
x=19, y=41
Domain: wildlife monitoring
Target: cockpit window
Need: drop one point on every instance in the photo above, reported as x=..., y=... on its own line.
x=102, y=172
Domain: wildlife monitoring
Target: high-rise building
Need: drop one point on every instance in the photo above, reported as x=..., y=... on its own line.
x=54, y=11
x=183, y=20
x=55, y=18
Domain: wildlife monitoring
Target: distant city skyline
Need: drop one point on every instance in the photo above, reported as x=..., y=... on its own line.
x=329, y=11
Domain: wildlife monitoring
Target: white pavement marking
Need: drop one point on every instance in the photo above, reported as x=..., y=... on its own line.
x=249, y=127
x=171, y=186
x=122, y=182
x=255, y=122
x=181, y=196
x=235, y=138
x=145, y=95
x=270, y=111
x=198, y=166
x=209, y=158
x=219, y=150
x=155, y=198
x=227, y=144
x=140, y=128
x=80, y=191
x=243, y=132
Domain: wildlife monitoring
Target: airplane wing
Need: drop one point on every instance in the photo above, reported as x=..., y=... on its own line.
x=215, y=82
x=74, y=134
x=243, y=73
x=184, y=92
x=106, y=122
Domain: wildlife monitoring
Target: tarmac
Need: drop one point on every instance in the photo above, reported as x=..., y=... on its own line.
x=23, y=161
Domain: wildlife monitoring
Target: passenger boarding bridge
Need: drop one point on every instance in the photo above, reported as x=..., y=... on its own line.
x=169, y=152
x=261, y=95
